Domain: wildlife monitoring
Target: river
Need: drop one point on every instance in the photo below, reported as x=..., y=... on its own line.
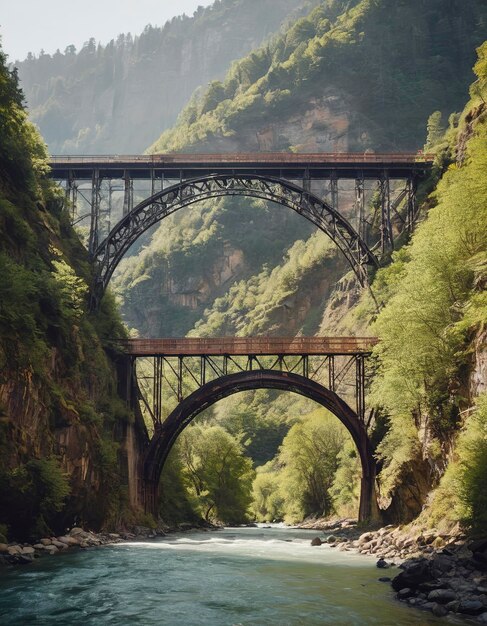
x=232, y=577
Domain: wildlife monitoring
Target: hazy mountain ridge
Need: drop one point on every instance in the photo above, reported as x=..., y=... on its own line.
x=116, y=98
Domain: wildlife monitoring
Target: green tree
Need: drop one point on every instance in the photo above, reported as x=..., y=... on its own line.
x=309, y=459
x=219, y=474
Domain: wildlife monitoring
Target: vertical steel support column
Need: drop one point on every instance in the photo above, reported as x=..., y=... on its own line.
x=95, y=211
x=128, y=193
x=331, y=372
x=334, y=189
x=110, y=206
x=360, y=386
x=225, y=365
x=71, y=195
x=411, y=188
x=306, y=180
x=157, y=389
x=279, y=361
x=180, y=378
x=305, y=365
x=360, y=205
x=152, y=181
x=386, y=239
x=202, y=371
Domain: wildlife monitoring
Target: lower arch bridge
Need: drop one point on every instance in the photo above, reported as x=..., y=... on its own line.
x=171, y=381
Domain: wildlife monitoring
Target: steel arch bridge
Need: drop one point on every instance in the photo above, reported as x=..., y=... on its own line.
x=325, y=370
x=268, y=176
x=152, y=210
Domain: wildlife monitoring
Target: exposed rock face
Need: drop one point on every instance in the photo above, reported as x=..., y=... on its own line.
x=324, y=124
x=478, y=377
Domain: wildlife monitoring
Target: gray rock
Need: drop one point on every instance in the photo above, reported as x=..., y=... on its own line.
x=28, y=550
x=382, y=564
x=25, y=559
x=69, y=541
x=384, y=579
x=482, y=618
x=442, y=596
x=331, y=539
x=415, y=572
x=316, y=541
x=479, y=545
x=405, y=593
x=439, y=610
x=453, y=606
x=471, y=607
x=364, y=538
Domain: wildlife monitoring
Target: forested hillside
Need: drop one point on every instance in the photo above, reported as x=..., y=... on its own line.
x=115, y=98
x=363, y=77
x=62, y=426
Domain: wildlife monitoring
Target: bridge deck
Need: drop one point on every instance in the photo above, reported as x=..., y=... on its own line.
x=249, y=346
x=347, y=165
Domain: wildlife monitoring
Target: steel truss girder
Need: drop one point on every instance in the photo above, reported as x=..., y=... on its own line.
x=180, y=376
x=165, y=202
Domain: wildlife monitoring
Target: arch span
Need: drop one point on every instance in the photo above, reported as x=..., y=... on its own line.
x=167, y=433
x=282, y=192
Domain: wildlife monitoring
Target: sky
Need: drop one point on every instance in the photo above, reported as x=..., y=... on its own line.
x=32, y=25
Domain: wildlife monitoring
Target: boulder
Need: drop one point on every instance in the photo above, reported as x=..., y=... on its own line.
x=442, y=596
x=69, y=541
x=331, y=539
x=316, y=541
x=439, y=610
x=382, y=564
x=479, y=545
x=46, y=542
x=482, y=618
x=28, y=550
x=405, y=593
x=415, y=573
x=365, y=538
x=471, y=607
x=13, y=550
x=76, y=531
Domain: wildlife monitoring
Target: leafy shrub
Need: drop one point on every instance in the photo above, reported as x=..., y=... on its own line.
x=32, y=495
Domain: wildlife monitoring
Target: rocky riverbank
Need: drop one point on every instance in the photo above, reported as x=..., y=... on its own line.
x=441, y=572
x=77, y=538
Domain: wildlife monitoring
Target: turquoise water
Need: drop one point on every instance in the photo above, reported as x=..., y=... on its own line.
x=231, y=577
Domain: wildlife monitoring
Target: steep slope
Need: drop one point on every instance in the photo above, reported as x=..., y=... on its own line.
x=63, y=428
x=365, y=79
x=431, y=381
x=116, y=98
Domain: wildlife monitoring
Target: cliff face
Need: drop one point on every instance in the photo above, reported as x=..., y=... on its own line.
x=117, y=98
x=66, y=437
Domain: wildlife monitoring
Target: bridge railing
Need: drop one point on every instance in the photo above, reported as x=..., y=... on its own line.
x=242, y=346
x=258, y=157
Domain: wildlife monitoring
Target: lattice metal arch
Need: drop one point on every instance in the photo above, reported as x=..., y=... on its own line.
x=164, y=203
